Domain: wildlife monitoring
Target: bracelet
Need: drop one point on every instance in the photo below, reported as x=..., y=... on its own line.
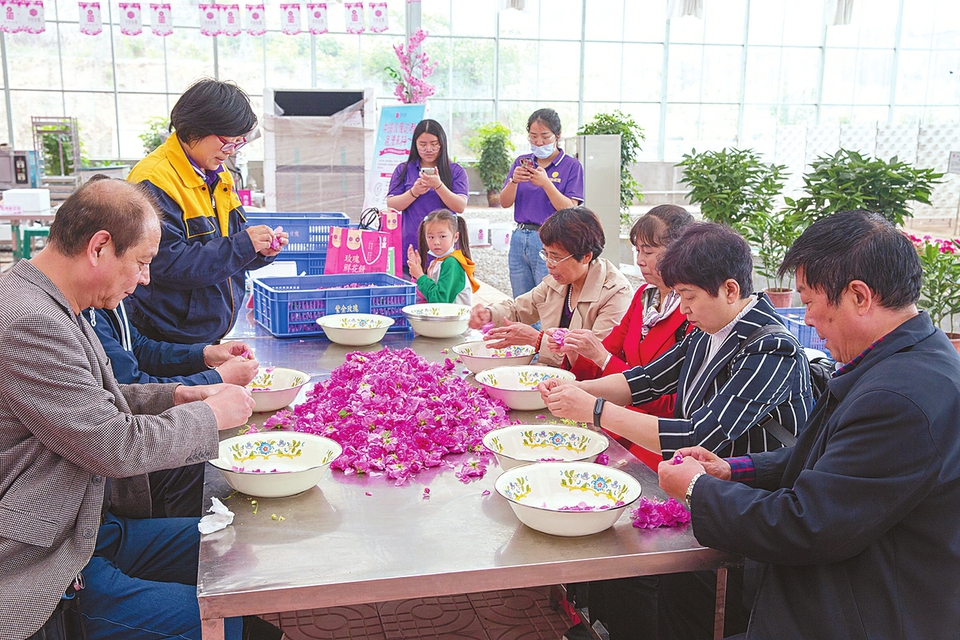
x=598, y=411
x=689, y=495
x=415, y=196
x=539, y=340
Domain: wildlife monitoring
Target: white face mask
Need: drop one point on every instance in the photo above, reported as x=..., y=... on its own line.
x=543, y=152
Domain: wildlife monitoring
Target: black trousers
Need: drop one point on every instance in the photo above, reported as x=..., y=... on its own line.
x=676, y=606
x=178, y=493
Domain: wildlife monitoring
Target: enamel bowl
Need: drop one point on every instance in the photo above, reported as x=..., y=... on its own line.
x=275, y=464
x=477, y=356
x=275, y=387
x=526, y=443
x=355, y=329
x=440, y=320
x=516, y=387
x=568, y=498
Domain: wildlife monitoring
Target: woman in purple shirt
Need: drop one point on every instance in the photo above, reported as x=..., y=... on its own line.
x=539, y=184
x=427, y=181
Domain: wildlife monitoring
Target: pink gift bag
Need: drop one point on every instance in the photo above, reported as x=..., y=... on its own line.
x=356, y=251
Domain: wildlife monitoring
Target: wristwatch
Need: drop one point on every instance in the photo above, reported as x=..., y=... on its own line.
x=689, y=495
x=598, y=411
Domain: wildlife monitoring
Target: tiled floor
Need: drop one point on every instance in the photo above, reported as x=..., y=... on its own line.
x=518, y=614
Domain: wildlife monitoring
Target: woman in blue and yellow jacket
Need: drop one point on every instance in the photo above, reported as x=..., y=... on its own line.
x=196, y=284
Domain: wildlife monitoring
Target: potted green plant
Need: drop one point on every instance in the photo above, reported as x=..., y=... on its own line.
x=771, y=234
x=492, y=143
x=157, y=131
x=631, y=135
x=730, y=185
x=848, y=180
x=940, y=291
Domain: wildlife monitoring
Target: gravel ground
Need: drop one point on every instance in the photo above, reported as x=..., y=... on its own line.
x=492, y=264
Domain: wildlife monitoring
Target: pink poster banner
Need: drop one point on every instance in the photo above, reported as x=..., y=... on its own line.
x=33, y=20
x=378, y=16
x=317, y=17
x=11, y=18
x=230, y=19
x=161, y=20
x=91, y=23
x=209, y=19
x=131, y=19
x=256, y=20
x=290, y=18
x=354, y=16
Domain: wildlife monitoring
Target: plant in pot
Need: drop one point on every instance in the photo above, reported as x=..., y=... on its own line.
x=156, y=133
x=771, y=234
x=848, y=180
x=940, y=292
x=730, y=185
x=493, y=146
x=631, y=135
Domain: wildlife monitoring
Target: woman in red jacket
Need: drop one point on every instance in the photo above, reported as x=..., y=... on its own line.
x=652, y=324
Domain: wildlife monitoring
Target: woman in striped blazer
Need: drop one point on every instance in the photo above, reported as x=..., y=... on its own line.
x=728, y=388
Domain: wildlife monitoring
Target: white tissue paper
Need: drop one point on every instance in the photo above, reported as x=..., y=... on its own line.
x=219, y=520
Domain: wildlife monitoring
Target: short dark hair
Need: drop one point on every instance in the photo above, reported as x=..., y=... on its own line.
x=577, y=230
x=548, y=118
x=443, y=159
x=660, y=226
x=706, y=255
x=212, y=108
x=102, y=204
x=857, y=245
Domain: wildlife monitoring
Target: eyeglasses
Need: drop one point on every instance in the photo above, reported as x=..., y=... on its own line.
x=542, y=140
x=230, y=147
x=550, y=261
x=429, y=147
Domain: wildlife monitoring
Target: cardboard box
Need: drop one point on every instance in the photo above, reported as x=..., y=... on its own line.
x=319, y=191
x=29, y=200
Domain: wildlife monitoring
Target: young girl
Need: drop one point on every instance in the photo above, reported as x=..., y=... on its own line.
x=450, y=276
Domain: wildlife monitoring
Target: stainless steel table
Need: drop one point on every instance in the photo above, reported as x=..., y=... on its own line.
x=337, y=545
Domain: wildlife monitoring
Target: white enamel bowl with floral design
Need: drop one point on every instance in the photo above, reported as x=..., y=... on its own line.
x=438, y=320
x=516, y=387
x=526, y=443
x=273, y=388
x=355, y=329
x=275, y=464
x=477, y=356
x=568, y=498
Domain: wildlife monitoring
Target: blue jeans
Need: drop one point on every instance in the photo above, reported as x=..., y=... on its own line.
x=141, y=583
x=527, y=268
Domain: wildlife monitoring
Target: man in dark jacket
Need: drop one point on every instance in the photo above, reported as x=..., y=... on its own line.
x=856, y=527
x=136, y=359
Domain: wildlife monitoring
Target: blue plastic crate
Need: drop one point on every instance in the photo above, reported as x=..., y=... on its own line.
x=289, y=307
x=807, y=336
x=308, y=234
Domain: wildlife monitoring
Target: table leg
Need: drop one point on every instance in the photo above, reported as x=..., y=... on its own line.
x=719, y=610
x=16, y=240
x=211, y=628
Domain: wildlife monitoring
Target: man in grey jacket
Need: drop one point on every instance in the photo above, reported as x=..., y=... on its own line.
x=67, y=428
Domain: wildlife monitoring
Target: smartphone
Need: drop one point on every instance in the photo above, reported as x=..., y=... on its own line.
x=428, y=171
x=526, y=163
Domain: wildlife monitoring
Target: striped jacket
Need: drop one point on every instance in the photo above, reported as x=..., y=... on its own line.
x=734, y=396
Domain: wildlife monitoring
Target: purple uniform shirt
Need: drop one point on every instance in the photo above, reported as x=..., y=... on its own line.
x=422, y=206
x=532, y=205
